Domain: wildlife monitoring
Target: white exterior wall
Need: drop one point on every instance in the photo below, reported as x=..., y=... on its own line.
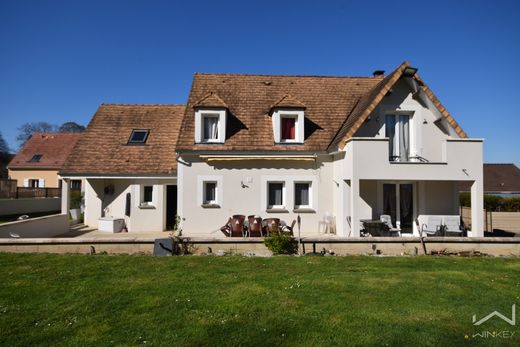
x=98, y=204
x=251, y=200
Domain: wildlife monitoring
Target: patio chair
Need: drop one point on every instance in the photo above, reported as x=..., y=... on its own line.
x=226, y=228
x=452, y=226
x=433, y=227
x=270, y=225
x=255, y=226
x=237, y=226
x=288, y=229
x=387, y=219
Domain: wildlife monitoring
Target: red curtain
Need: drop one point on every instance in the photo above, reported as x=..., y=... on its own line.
x=288, y=128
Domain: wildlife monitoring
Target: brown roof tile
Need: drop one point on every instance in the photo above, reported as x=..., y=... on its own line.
x=498, y=178
x=328, y=101
x=288, y=101
x=210, y=100
x=53, y=148
x=103, y=149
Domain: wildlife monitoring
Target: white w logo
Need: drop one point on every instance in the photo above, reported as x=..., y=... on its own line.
x=511, y=321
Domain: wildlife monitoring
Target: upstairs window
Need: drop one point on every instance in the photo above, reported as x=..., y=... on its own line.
x=138, y=137
x=288, y=126
x=36, y=158
x=210, y=126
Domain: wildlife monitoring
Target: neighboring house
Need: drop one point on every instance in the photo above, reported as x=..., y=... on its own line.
x=499, y=179
x=350, y=148
x=37, y=163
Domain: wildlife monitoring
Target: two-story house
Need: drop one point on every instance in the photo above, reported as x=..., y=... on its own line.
x=349, y=148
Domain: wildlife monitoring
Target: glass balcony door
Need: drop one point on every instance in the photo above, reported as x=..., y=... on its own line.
x=397, y=129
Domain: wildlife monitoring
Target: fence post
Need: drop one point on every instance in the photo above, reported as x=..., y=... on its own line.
x=17, y=192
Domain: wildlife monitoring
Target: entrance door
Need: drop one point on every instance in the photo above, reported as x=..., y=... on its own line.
x=171, y=206
x=398, y=203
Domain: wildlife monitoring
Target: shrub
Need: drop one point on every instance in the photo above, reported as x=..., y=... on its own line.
x=280, y=243
x=493, y=202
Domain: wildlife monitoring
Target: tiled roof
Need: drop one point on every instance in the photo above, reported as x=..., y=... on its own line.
x=103, y=149
x=53, y=148
x=249, y=99
x=288, y=101
x=210, y=100
x=503, y=178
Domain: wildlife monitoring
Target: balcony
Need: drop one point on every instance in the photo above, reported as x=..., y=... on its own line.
x=369, y=158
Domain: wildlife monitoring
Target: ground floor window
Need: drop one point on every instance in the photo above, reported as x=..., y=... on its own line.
x=147, y=196
x=302, y=192
x=276, y=194
x=34, y=183
x=209, y=192
x=75, y=184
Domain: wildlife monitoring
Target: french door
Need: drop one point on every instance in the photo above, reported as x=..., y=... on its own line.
x=398, y=203
x=397, y=129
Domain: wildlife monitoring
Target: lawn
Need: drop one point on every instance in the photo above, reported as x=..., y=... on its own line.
x=12, y=217
x=106, y=300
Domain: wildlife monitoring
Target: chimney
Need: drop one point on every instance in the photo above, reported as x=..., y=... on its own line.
x=378, y=73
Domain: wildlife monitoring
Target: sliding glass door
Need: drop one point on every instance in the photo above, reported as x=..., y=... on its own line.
x=397, y=129
x=398, y=204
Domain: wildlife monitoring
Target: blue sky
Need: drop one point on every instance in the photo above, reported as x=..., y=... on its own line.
x=60, y=59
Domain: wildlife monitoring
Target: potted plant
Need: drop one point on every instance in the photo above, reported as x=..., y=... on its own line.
x=76, y=201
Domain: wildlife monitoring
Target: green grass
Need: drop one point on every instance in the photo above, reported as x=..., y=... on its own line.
x=308, y=301
x=12, y=217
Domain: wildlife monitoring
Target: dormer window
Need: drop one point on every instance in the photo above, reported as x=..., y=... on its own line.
x=288, y=126
x=210, y=125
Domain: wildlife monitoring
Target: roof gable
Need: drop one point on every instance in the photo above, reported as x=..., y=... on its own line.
x=371, y=100
x=210, y=100
x=288, y=101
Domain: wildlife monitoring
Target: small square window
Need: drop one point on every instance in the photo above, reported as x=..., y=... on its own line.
x=302, y=192
x=210, y=125
x=36, y=158
x=210, y=193
x=138, y=136
x=34, y=183
x=147, y=194
x=275, y=195
x=288, y=128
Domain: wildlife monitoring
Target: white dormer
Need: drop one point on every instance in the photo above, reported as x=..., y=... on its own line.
x=288, y=116
x=210, y=125
x=210, y=119
x=288, y=126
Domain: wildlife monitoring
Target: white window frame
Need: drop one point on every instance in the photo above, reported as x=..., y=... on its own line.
x=278, y=114
x=205, y=190
x=148, y=204
x=200, y=114
x=411, y=129
x=201, y=191
x=284, y=195
x=310, y=204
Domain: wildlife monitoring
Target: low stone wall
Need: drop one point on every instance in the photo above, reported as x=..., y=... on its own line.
x=28, y=206
x=384, y=246
x=47, y=226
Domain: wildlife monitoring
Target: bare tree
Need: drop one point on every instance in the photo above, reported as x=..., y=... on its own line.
x=26, y=130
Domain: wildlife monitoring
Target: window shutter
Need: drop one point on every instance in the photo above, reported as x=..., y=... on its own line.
x=26, y=183
x=41, y=183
